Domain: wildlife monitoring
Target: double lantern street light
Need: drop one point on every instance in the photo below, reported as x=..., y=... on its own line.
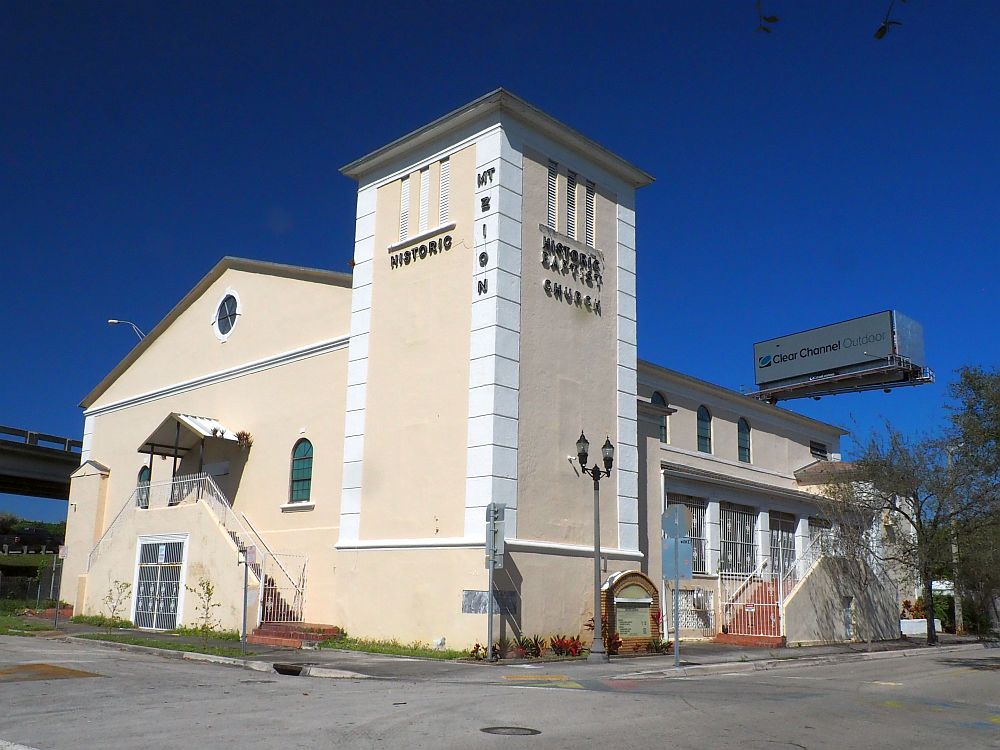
x=597, y=651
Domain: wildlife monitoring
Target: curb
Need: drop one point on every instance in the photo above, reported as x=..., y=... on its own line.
x=765, y=665
x=229, y=661
x=257, y=666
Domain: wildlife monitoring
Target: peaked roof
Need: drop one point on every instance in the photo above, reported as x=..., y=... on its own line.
x=501, y=100
x=228, y=263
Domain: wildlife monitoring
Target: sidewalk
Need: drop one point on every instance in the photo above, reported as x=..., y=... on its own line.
x=696, y=658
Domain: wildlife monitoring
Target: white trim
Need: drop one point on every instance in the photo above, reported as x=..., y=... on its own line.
x=523, y=545
x=285, y=358
x=443, y=153
x=230, y=292
x=667, y=447
x=425, y=543
x=296, y=507
x=422, y=236
x=142, y=539
x=580, y=550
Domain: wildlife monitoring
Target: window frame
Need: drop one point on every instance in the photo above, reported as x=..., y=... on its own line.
x=662, y=424
x=237, y=314
x=703, y=412
x=743, y=428
x=292, y=479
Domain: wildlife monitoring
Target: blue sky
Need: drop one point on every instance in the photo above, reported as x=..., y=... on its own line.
x=803, y=177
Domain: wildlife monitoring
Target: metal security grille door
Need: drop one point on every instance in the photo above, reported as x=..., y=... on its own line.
x=782, y=542
x=159, y=585
x=738, y=553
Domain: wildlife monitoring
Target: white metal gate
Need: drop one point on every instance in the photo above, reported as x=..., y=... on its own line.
x=159, y=583
x=738, y=553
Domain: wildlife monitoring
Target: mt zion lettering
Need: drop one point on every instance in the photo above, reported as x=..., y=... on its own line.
x=419, y=252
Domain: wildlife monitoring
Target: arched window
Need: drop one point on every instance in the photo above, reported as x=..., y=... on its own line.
x=704, y=430
x=743, y=440
x=142, y=487
x=657, y=399
x=301, y=476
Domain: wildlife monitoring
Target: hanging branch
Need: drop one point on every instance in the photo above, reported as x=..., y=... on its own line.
x=887, y=21
x=763, y=21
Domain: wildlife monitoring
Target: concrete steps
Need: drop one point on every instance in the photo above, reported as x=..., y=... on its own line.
x=292, y=634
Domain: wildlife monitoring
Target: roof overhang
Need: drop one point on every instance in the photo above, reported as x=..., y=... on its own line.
x=179, y=433
x=500, y=101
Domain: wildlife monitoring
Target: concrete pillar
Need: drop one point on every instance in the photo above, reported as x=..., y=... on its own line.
x=713, y=533
x=763, y=536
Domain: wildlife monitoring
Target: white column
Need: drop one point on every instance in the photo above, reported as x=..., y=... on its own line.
x=713, y=532
x=763, y=536
x=494, y=352
x=627, y=451
x=357, y=366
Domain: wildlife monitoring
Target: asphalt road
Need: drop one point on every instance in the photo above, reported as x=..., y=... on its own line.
x=50, y=701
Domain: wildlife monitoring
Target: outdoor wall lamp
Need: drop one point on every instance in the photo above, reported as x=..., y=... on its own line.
x=597, y=651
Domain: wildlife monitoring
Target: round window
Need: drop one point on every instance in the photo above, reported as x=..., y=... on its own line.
x=226, y=314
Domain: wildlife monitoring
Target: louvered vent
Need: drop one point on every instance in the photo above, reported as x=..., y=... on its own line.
x=445, y=190
x=404, y=210
x=552, y=194
x=590, y=213
x=425, y=197
x=571, y=205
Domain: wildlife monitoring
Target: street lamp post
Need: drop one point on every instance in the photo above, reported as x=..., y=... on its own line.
x=138, y=331
x=597, y=651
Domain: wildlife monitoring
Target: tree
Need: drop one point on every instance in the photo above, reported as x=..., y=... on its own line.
x=920, y=496
x=854, y=539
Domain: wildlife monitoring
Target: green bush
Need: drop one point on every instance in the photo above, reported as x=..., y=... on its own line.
x=16, y=606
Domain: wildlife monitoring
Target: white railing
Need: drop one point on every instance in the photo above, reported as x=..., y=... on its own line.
x=283, y=584
x=155, y=495
x=282, y=576
x=752, y=604
x=800, y=567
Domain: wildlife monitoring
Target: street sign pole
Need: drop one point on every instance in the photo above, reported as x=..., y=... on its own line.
x=249, y=558
x=677, y=604
x=494, y=560
x=674, y=525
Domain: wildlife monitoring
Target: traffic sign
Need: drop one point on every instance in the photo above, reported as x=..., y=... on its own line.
x=683, y=559
x=674, y=522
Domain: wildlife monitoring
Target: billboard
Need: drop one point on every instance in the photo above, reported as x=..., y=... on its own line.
x=838, y=348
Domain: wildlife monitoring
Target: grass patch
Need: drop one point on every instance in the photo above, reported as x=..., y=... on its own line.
x=218, y=635
x=116, y=623
x=16, y=606
x=132, y=640
x=34, y=560
x=393, y=647
x=10, y=625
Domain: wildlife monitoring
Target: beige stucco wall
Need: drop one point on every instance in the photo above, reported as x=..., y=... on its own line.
x=410, y=594
x=278, y=406
x=815, y=612
x=778, y=441
x=568, y=379
x=209, y=553
x=88, y=496
x=416, y=402
x=277, y=315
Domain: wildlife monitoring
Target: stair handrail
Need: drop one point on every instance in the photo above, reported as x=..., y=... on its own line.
x=790, y=578
x=140, y=497
x=274, y=557
x=129, y=503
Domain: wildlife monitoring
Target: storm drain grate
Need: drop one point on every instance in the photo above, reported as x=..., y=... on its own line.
x=509, y=730
x=293, y=670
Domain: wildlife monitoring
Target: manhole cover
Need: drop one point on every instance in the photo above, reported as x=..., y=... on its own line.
x=509, y=730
